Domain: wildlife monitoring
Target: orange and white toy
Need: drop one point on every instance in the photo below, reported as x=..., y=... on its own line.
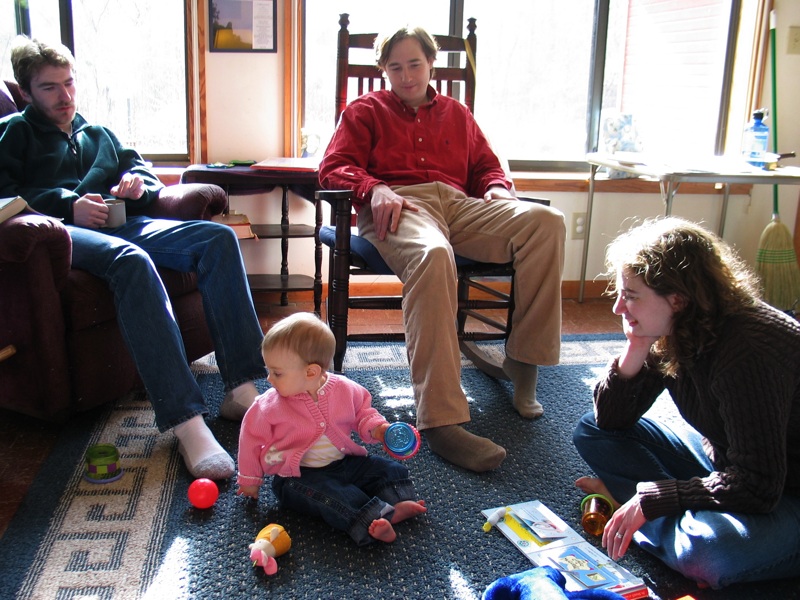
x=271, y=542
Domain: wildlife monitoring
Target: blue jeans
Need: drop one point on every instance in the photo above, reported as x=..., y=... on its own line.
x=710, y=547
x=126, y=258
x=348, y=494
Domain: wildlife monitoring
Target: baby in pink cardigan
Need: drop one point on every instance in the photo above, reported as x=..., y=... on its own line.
x=300, y=433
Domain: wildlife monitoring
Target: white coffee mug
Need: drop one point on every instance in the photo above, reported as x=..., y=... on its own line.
x=116, y=213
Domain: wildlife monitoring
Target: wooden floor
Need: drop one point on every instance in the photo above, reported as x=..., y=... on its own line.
x=25, y=442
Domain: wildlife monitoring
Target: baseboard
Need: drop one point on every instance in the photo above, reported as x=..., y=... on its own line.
x=591, y=289
x=569, y=290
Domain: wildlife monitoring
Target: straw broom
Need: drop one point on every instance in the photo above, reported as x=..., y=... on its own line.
x=776, y=261
x=776, y=264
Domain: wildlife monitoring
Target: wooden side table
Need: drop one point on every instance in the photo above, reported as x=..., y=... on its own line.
x=247, y=180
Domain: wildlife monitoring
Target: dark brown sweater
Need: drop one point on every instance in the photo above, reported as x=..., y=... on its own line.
x=743, y=396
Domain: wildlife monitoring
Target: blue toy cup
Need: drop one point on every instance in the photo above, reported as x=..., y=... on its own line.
x=401, y=441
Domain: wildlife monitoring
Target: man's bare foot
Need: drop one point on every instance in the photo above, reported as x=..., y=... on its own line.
x=407, y=509
x=382, y=530
x=594, y=485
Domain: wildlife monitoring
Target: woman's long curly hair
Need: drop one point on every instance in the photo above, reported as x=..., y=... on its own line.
x=675, y=256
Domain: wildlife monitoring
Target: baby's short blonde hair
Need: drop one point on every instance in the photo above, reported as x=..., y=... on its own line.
x=305, y=335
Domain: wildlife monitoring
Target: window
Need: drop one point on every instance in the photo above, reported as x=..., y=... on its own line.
x=665, y=64
x=321, y=25
x=131, y=65
x=548, y=77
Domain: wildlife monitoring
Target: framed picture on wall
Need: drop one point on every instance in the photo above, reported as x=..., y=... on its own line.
x=243, y=25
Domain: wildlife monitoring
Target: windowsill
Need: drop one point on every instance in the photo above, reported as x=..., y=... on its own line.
x=579, y=182
x=169, y=175
x=553, y=182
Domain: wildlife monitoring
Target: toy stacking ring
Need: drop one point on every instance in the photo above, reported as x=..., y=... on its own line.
x=102, y=464
x=401, y=441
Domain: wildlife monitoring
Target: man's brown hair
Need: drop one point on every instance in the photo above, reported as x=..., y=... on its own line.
x=29, y=56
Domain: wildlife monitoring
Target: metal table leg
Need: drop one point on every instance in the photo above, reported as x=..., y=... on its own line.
x=585, y=258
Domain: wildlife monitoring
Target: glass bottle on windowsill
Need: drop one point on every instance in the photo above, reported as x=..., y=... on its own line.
x=755, y=140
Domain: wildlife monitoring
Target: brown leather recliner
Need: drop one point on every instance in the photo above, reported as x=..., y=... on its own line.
x=70, y=355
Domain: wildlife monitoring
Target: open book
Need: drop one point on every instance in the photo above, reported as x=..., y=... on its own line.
x=547, y=540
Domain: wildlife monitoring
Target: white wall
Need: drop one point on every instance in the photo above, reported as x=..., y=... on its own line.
x=245, y=96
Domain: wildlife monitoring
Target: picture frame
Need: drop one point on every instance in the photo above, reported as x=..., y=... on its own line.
x=243, y=25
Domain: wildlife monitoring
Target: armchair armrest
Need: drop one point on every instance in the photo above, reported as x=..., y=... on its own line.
x=35, y=256
x=26, y=234
x=189, y=201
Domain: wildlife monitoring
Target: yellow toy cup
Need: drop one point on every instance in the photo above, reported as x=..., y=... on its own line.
x=597, y=510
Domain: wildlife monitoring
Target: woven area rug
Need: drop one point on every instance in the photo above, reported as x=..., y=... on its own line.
x=139, y=538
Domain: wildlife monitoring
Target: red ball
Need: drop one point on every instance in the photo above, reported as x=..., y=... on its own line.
x=203, y=493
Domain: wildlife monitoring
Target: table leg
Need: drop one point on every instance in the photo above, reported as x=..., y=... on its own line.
x=285, y=243
x=585, y=258
x=726, y=194
x=669, y=196
x=317, y=258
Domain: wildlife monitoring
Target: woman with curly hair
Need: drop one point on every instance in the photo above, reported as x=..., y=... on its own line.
x=717, y=500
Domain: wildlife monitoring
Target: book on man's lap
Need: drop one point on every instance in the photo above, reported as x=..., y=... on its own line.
x=11, y=206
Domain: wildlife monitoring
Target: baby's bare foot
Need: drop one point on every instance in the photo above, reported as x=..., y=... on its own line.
x=407, y=509
x=382, y=530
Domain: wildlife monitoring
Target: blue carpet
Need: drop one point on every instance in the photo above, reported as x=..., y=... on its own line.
x=444, y=554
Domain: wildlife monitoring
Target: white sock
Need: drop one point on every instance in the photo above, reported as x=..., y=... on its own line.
x=237, y=401
x=202, y=453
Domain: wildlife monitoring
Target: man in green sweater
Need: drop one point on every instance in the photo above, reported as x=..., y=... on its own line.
x=66, y=168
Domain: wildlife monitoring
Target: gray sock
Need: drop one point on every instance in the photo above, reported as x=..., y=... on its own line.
x=465, y=449
x=202, y=453
x=524, y=378
x=237, y=401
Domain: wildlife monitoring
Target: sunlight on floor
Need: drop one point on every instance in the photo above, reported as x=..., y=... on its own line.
x=462, y=590
x=598, y=373
x=394, y=396
x=172, y=579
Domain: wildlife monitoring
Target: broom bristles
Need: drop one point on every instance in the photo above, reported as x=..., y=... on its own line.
x=776, y=265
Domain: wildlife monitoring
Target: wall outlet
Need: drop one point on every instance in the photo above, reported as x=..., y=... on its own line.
x=794, y=40
x=578, y=231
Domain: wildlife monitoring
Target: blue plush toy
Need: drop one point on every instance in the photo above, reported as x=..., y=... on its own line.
x=541, y=583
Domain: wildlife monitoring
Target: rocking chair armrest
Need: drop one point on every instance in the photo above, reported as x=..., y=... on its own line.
x=342, y=219
x=544, y=201
x=341, y=202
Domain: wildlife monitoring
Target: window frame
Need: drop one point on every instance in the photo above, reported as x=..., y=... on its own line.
x=193, y=18
x=294, y=44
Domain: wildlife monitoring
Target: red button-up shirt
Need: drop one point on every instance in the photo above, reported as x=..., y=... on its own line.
x=381, y=140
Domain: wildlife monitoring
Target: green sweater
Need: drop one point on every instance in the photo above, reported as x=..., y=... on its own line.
x=743, y=396
x=51, y=169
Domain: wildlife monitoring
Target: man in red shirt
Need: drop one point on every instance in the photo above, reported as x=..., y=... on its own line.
x=426, y=185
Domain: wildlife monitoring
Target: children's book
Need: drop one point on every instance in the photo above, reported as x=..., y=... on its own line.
x=545, y=539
